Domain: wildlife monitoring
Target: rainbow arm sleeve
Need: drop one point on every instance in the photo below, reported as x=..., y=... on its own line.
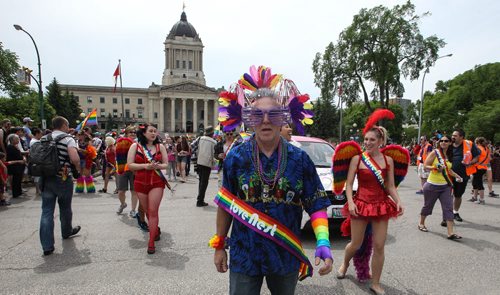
x=319, y=221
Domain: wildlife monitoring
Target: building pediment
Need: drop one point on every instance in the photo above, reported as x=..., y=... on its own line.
x=188, y=86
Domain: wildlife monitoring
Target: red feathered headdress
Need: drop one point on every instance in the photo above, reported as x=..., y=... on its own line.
x=376, y=116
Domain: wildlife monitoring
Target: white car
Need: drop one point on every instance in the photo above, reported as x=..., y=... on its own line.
x=321, y=153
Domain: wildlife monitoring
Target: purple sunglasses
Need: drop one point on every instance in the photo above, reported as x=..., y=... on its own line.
x=253, y=116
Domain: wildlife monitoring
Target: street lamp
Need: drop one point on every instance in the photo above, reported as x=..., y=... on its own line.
x=40, y=92
x=422, y=98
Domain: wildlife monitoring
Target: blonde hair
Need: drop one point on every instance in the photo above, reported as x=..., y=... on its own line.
x=381, y=133
x=109, y=141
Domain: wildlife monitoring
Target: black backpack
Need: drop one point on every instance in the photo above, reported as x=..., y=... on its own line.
x=44, y=158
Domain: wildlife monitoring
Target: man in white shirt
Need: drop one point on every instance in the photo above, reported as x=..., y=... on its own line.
x=59, y=188
x=205, y=162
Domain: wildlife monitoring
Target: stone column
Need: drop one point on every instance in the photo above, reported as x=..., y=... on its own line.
x=184, y=114
x=216, y=112
x=172, y=115
x=205, y=112
x=195, y=115
x=150, y=110
x=161, y=116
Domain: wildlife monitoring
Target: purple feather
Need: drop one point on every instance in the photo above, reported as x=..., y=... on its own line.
x=362, y=257
x=249, y=79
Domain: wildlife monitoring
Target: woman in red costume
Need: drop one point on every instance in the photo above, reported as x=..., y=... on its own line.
x=146, y=158
x=375, y=202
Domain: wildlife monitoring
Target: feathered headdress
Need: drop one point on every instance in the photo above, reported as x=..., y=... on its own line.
x=241, y=96
x=376, y=116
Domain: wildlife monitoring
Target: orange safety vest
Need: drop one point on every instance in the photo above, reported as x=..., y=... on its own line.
x=484, y=158
x=423, y=154
x=471, y=169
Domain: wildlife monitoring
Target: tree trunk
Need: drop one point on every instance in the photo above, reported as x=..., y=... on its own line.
x=365, y=94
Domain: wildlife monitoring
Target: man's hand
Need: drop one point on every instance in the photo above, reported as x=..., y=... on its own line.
x=327, y=268
x=324, y=253
x=220, y=260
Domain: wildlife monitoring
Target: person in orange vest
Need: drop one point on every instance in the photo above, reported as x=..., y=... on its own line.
x=422, y=156
x=465, y=156
x=481, y=167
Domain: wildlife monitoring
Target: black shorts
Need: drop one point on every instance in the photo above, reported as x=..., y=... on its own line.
x=459, y=187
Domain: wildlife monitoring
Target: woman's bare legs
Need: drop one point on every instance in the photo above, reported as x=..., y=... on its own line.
x=379, y=237
x=183, y=171
x=358, y=227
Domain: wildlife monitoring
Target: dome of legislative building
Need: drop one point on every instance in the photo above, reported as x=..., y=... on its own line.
x=183, y=28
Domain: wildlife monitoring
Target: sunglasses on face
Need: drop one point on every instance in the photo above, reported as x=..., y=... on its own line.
x=229, y=134
x=444, y=140
x=277, y=116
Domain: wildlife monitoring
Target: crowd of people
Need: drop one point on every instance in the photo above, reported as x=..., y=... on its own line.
x=265, y=183
x=445, y=166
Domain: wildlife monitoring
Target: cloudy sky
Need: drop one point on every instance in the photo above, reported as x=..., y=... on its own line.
x=80, y=42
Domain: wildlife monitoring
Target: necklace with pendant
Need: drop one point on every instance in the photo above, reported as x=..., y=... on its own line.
x=268, y=178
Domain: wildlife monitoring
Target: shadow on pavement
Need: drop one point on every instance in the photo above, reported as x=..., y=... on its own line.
x=476, y=226
x=69, y=258
x=87, y=195
x=363, y=288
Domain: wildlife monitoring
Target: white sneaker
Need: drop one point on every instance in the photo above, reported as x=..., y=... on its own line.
x=132, y=213
x=120, y=209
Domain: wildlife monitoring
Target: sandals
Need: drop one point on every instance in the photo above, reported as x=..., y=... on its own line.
x=454, y=237
x=422, y=227
x=340, y=275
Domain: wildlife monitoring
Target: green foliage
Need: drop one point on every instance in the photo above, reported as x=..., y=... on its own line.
x=411, y=114
x=464, y=102
x=65, y=105
x=355, y=118
x=483, y=120
x=325, y=120
x=8, y=73
x=27, y=105
x=381, y=46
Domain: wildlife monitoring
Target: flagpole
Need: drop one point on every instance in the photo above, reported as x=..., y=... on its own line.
x=121, y=93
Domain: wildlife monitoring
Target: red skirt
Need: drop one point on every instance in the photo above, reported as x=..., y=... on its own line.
x=384, y=209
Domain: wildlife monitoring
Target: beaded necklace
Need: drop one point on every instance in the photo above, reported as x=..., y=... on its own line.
x=268, y=178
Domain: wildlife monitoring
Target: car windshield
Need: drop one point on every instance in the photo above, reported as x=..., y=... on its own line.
x=320, y=153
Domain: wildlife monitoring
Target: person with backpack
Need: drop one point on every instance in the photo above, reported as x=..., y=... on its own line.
x=56, y=180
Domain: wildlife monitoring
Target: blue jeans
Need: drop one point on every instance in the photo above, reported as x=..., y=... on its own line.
x=54, y=188
x=240, y=284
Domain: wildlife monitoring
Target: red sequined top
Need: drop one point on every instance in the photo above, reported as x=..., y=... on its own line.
x=371, y=199
x=147, y=176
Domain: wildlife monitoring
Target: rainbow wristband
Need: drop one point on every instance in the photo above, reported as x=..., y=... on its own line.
x=217, y=242
x=319, y=221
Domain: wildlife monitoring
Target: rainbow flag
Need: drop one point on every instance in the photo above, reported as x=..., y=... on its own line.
x=90, y=120
x=245, y=136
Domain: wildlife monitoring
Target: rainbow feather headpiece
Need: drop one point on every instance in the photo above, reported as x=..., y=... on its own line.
x=241, y=96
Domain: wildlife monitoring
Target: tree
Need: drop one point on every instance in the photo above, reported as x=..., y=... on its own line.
x=8, y=73
x=467, y=101
x=74, y=110
x=27, y=105
x=65, y=105
x=325, y=120
x=483, y=121
x=411, y=116
x=381, y=46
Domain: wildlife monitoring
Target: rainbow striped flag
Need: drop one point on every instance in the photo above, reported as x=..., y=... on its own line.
x=265, y=226
x=90, y=120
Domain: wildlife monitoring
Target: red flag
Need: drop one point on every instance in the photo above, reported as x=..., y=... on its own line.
x=116, y=74
x=340, y=88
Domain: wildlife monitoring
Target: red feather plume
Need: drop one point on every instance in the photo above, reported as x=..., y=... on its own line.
x=376, y=116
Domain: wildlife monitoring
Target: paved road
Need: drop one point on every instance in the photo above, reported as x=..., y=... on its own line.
x=109, y=255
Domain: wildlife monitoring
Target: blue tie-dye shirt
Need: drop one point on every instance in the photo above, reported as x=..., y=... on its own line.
x=299, y=188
